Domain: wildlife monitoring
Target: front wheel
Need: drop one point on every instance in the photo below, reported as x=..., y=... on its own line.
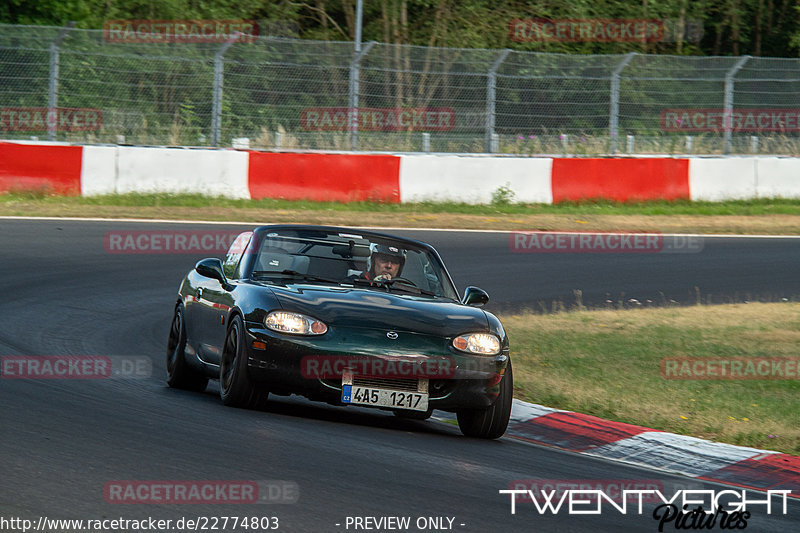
x=179, y=374
x=235, y=386
x=491, y=422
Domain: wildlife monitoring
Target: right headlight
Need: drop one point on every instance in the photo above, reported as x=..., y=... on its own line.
x=480, y=343
x=294, y=323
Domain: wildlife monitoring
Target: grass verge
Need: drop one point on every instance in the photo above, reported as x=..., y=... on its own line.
x=607, y=363
x=762, y=216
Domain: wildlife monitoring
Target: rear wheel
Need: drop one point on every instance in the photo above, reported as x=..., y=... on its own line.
x=235, y=386
x=491, y=422
x=179, y=374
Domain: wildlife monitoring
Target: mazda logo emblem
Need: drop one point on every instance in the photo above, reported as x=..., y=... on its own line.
x=392, y=335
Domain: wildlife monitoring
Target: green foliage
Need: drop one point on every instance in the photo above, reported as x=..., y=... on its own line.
x=730, y=27
x=503, y=195
x=161, y=94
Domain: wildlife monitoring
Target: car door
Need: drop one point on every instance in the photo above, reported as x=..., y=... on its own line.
x=192, y=310
x=216, y=302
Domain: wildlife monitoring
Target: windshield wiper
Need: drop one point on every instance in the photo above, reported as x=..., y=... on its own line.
x=400, y=282
x=293, y=273
x=397, y=283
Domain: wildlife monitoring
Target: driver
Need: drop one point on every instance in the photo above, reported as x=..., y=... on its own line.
x=384, y=262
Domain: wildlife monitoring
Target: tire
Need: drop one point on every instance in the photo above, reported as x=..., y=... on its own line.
x=235, y=386
x=491, y=422
x=413, y=415
x=179, y=374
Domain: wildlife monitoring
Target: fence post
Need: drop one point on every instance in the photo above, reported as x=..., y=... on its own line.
x=491, y=87
x=613, y=116
x=728, y=101
x=754, y=144
x=352, y=104
x=631, y=143
x=216, y=104
x=52, y=90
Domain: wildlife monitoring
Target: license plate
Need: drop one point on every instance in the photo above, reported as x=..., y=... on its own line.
x=414, y=401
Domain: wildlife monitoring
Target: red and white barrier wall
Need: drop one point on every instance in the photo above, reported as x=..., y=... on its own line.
x=26, y=167
x=94, y=170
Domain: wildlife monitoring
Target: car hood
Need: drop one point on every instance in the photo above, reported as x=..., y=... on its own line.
x=375, y=309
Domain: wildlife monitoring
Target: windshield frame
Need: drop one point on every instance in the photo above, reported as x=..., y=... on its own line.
x=267, y=236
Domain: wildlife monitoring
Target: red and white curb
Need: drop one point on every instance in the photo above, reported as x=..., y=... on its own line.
x=635, y=445
x=392, y=178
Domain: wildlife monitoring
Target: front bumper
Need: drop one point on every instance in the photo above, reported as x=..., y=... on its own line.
x=313, y=366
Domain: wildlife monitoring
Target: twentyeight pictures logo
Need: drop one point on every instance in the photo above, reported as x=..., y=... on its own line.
x=549, y=242
x=682, y=509
x=543, y=489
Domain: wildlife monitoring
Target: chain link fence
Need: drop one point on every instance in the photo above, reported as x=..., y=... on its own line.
x=74, y=85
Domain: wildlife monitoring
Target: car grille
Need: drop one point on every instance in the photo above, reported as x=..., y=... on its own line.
x=409, y=385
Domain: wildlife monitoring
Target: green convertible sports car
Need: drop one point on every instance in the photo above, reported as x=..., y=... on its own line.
x=343, y=316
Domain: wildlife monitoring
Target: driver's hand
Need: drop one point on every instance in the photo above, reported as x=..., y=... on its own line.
x=383, y=277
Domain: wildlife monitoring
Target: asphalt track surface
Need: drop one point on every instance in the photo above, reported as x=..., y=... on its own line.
x=62, y=441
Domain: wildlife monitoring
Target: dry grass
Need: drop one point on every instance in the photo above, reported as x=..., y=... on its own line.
x=704, y=224
x=607, y=363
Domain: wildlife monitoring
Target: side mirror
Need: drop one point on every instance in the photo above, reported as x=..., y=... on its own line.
x=475, y=296
x=212, y=268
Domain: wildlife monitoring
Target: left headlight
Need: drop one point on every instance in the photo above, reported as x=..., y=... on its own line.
x=294, y=323
x=480, y=343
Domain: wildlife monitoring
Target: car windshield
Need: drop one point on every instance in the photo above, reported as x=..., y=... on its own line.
x=318, y=256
